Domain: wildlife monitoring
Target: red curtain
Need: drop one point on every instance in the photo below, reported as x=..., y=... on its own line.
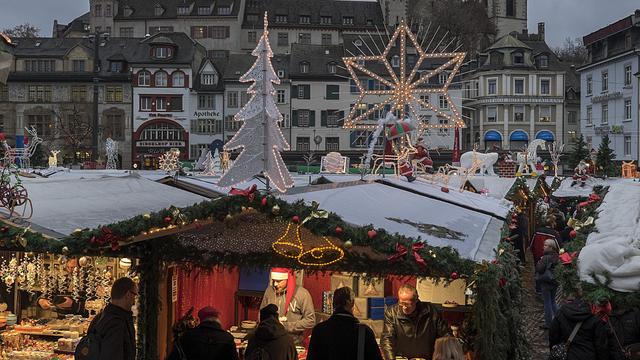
x=199, y=288
x=393, y=283
x=316, y=284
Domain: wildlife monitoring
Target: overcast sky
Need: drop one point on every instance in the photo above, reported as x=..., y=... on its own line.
x=563, y=18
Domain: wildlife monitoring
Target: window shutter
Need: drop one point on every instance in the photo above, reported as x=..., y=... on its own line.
x=294, y=91
x=312, y=118
x=294, y=118
x=186, y=80
x=307, y=91
x=194, y=126
x=341, y=118
x=352, y=138
x=227, y=33
x=134, y=79
x=323, y=118
x=327, y=94
x=152, y=80
x=169, y=80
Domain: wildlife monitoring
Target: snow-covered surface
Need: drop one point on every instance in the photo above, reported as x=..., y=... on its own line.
x=72, y=201
x=153, y=175
x=615, y=247
x=375, y=203
x=566, y=190
x=497, y=187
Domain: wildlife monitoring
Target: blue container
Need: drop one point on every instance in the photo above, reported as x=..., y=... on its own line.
x=253, y=279
x=390, y=300
x=376, y=313
x=375, y=302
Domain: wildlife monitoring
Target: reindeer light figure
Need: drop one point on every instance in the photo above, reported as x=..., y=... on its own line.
x=555, y=150
x=53, y=160
x=23, y=154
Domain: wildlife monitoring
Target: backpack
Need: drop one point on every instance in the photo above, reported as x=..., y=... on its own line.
x=89, y=346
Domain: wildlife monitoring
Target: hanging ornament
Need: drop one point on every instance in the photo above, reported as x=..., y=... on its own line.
x=263, y=202
x=146, y=216
x=83, y=261
x=338, y=230
x=372, y=233
x=348, y=244
x=573, y=234
x=168, y=219
x=502, y=282
x=4, y=229
x=295, y=219
x=125, y=264
x=275, y=210
x=454, y=275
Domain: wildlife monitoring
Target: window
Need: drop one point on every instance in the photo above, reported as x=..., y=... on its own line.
x=219, y=32
x=107, y=10
x=492, y=114
x=184, y=10
x=162, y=52
x=252, y=37
x=332, y=92
x=304, y=67
x=280, y=97
x=158, y=10
x=40, y=93
x=347, y=20
x=545, y=114
x=114, y=126
x=589, y=116
x=244, y=98
x=511, y=8
x=199, y=32
x=114, y=94
x=160, y=29
x=303, y=144
x=225, y=10
x=518, y=86
x=303, y=118
x=177, y=79
x=627, y=109
x=332, y=144
x=605, y=81
x=605, y=114
x=442, y=77
x=325, y=20
x=283, y=39
x=161, y=131
x=304, y=38
x=424, y=99
x=78, y=65
x=161, y=104
x=444, y=104
x=217, y=54
x=333, y=118
x=1, y=123
x=361, y=62
x=518, y=113
x=78, y=93
x=281, y=18
x=589, y=85
x=518, y=58
x=492, y=86
x=326, y=39
x=42, y=123
x=231, y=124
x=496, y=58
x=305, y=19
x=97, y=10
x=175, y=103
x=543, y=61
x=115, y=66
x=545, y=87
x=144, y=78
x=627, y=145
x=280, y=73
x=303, y=91
x=126, y=32
x=204, y=10
x=395, y=61
x=40, y=65
x=331, y=68
x=627, y=75
x=572, y=118
x=207, y=102
x=353, y=88
x=208, y=126
x=209, y=79
x=232, y=99
x=627, y=41
x=145, y=103
x=161, y=78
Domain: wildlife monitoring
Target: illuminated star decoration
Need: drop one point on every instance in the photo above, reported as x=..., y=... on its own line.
x=402, y=90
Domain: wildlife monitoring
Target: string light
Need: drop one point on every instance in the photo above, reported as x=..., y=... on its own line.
x=404, y=91
x=316, y=256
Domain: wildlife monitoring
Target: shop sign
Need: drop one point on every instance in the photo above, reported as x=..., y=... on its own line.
x=606, y=97
x=207, y=114
x=160, y=143
x=601, y=130
x=160, y=115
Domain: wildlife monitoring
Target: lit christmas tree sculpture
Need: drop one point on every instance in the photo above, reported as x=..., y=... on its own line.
x=259, y=137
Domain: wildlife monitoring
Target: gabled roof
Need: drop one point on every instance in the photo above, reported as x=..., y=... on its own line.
x=145, y=9
x=218, y=65
x=238, y=64
x=508, y=42
x=186, y=49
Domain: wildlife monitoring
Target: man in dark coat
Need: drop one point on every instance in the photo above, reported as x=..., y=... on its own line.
x=270, y=338
x=114, y=325
x=207, y=340
x=591, y=340
x=626, y=324
x=338, y=337
x=411, y=327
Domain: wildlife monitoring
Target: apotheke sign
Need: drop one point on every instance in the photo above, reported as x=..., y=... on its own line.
x=207, y=114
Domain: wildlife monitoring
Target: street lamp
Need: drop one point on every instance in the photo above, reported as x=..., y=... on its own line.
x=95, y=38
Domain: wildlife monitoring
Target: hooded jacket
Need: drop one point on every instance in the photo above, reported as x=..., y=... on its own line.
x=272, y=338
x=549, y=259
x=301, y=314
x=207, y=341
x=626, y=324
x=117, y=334
x=591, y=340
x=411, y=336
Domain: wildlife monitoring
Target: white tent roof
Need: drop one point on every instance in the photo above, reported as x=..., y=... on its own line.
x=566, y=190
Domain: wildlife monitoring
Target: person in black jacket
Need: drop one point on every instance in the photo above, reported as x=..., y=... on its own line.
x=114, y=325
x=207, y=340
x=546, y=280
x=337, y=338
x=625, y=330
x=270, y=338
x=591, y=340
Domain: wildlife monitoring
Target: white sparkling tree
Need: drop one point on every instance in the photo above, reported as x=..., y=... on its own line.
x=259, y=137
x=209, y=165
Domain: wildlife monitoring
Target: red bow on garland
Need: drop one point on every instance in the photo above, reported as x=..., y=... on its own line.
x=249, y=192
x=592, y=198
x=567, y=258
x=107, y=237
x=402, y=251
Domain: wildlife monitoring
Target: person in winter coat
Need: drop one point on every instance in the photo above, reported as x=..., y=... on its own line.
x=114, y=325
x=270, y=340
x=295, y=305
x=625, y=330
x=411, y=327
x=448, y=348
x=208, y=340
x=591, y=340
x=338, y=337
x=547, y=282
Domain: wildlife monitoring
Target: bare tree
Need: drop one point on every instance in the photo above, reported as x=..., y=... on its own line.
x=572, y=51
x=75, y=132
x=25, y=30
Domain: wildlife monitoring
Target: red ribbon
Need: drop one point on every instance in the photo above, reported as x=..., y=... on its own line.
x=567, y=258
x=402, y=251
x=602, y=311
x=249, y=192
x=417, y=247
x=592, y=198
x=107, y=237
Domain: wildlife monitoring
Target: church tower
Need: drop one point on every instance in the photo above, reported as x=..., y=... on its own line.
x=507, y=15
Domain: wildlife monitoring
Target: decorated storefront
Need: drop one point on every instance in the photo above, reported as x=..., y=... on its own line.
x=155, y=138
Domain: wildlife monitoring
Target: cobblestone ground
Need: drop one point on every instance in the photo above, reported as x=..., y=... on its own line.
x=533, y=313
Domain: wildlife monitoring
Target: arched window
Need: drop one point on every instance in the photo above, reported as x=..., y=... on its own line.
x=161, y=78
x=144, y=78
x=177, y=79
x=304, y=67
x=543, y=61
x=331, y=68
x=496, y=58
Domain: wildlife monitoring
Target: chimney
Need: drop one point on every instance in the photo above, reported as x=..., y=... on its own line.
x=541, y=30
x=525, y=32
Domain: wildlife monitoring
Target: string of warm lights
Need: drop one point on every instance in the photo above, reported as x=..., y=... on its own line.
x=316, y=256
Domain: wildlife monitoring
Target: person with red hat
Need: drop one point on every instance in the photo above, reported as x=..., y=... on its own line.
x=208, y=340
x=295, y=306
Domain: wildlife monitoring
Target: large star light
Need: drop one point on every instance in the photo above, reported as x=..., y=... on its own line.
x=403, y=90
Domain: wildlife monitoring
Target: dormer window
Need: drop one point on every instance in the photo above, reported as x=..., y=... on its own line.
x=127, y=11
x=224, y=10
x=543, y=61
x=184, y=10
x=360, y=62
x=162, y=52
x=347, y=20
x=304, y=67
x=204, y=10
x=305, y=19
x=158, y=10
x=331, y=68
x=518, y=58
x=326, y=20
x=281, y=18
x=208, y=78
x=280, y=73
x=116, y=66
x=395, y=61
x=253, y=18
